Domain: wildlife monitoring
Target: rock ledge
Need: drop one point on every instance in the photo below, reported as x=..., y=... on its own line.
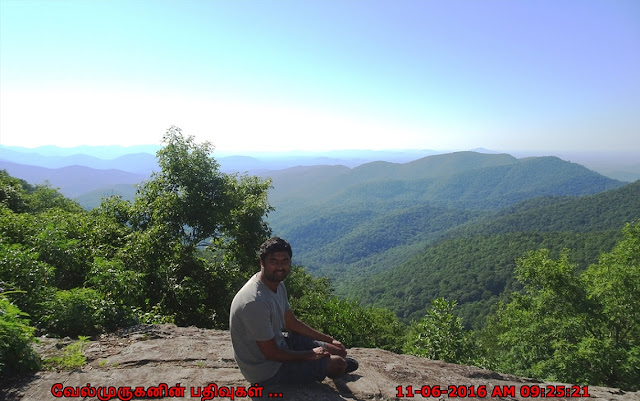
x=146, y=356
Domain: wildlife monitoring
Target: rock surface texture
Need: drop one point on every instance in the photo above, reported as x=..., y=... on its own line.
x=197, y=359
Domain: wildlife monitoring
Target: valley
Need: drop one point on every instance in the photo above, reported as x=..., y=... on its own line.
x=399, y=234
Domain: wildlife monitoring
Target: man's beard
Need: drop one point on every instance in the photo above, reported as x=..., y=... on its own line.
x=277, y=275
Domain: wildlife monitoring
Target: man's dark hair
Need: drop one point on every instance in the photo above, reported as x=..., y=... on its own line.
x=272, y=245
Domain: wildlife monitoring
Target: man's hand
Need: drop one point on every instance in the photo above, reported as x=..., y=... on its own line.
x=335, y=347
x=319, y=353
x=339, y=345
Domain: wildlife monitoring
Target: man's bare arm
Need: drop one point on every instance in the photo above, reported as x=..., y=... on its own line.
x=294, y=324
x=272, y=352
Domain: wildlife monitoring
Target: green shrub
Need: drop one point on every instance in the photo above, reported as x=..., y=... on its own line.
x=346, y=320
x=79, y=311
x=72, y=356
x=16, y=337
x=440, y=335
x=21, y=271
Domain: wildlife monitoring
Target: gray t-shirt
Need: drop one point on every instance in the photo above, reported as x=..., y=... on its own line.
x=257, y=314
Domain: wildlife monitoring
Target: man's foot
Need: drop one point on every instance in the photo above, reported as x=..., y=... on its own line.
x=352, y=365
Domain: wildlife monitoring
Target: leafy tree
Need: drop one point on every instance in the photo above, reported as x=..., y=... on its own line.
x=16, y=337
x=613, y=285
x=575, y=327
x=13, y=193
x=194, y=230
x=194, y=201
x=28, y=279
x=440, y=335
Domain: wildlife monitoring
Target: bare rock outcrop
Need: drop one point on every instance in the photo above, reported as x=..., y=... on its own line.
x=190, y=361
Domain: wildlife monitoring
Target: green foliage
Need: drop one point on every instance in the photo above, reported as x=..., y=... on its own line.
x=16, y=338
x=78, y=311
x=440, y=335
x=61, y=242
x=109, y=229
x=187, y=202
x=72, y=356
x=348, y=321
x=475, y=271
x=111, y=279
x=613, y=284
x=575, y=327
x=153, y=315
x=13, y=194
x=21, y=271
x=194, y=201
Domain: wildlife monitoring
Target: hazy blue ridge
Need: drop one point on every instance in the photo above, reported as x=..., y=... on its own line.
x=100, y=152
x=73, y=181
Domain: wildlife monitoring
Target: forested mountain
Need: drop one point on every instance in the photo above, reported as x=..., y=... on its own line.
x=372, y=217
x=401, y=235
x=383, y=180
x=474, y=264
x=465, y=179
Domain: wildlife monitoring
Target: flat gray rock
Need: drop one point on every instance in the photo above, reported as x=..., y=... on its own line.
x=190, y=361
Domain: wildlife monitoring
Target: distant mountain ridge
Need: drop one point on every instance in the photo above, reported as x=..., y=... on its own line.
x=73, y=180
x=359, y=219
x=460, y=177
x=139, y=163
x=317, y=183
x=620, y=165
x=99, y=152
x=142, y=160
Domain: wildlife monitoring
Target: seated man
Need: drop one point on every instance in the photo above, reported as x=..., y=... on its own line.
x=259, y=313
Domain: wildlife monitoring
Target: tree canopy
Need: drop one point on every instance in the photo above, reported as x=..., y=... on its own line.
x=579, y=327
x=174, y=253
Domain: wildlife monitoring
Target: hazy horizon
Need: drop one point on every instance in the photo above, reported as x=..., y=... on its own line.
x=613, y=158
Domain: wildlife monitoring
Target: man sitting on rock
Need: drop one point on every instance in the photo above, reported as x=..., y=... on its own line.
x=260, y=312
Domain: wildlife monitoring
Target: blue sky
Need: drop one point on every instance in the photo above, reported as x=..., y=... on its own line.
x=318, y=75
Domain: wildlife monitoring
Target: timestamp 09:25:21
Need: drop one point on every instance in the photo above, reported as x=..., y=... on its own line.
x=525, y=391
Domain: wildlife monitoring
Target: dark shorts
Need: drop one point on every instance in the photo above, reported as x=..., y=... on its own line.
x=301, y=372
